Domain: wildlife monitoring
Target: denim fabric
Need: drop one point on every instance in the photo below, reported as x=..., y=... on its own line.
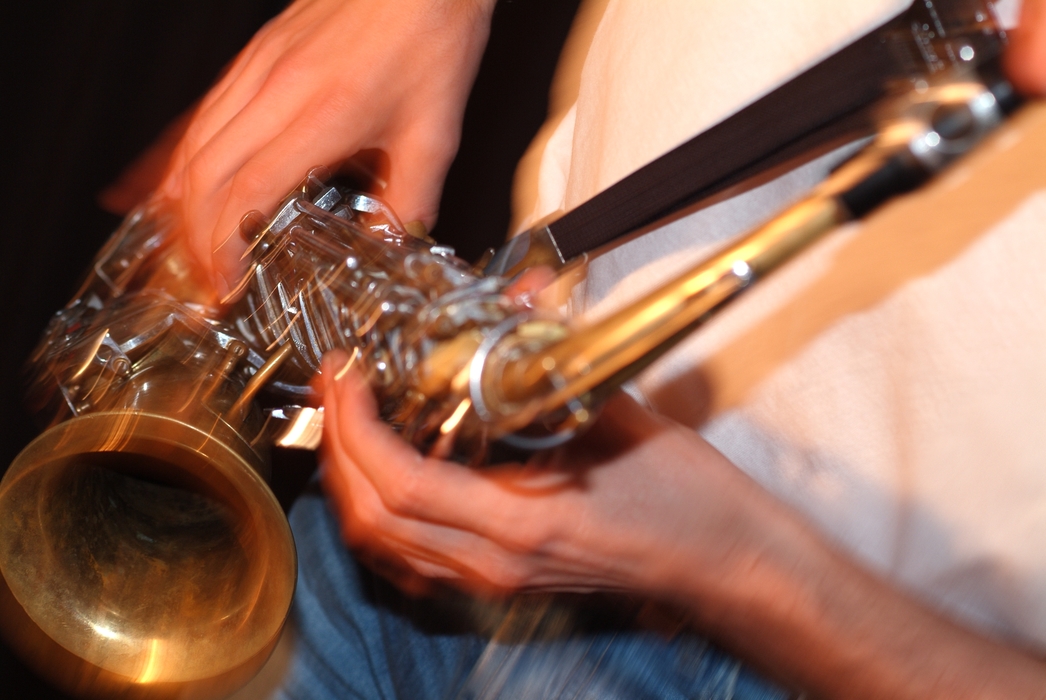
x=358, y=637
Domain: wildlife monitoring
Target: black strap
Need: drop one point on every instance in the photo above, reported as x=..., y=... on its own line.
x=826, y=103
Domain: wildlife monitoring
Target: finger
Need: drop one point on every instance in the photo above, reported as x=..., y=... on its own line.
x=526, y=289
x=381, y=559
x=494, y=528
x=260, y=170
x=1026, y=56
x=243, y=77
x=429, y=549
x=365, y=516
x=418, y=165
x=491, y=504
x=244, y=70
x=222, y=102
x=263, y=61
x=197, y=178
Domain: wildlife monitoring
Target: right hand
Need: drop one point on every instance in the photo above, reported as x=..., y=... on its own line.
x=322, y=81
x=638, y=503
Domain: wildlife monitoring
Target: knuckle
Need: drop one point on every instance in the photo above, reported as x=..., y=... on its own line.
x=364, y=517
x=531, y=540
x=195, y=136
x=407, y=494
x=289, y=70
x=526, y=536
x=202, y=173
x=251, y=183
x=507, y=576
x=352, y=528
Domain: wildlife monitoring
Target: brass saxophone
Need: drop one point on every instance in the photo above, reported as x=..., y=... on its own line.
x=143, y=554
x=139, y=534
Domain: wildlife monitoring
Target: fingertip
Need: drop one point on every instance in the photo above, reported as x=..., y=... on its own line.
x=333, y=362
x=228, y=259
x=333, y=367
x=1026, y=57
x=119, y=198
x=531, y=282
x=421, y=212
x=343, y=381
x=1028, y=76
x=417, y=170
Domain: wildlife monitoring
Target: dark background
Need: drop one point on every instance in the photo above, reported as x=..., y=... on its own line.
x=86, y=85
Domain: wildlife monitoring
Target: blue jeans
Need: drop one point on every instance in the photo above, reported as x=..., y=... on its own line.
x=358, y=637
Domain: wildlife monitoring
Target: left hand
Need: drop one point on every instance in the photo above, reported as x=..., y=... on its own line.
x=320, y=83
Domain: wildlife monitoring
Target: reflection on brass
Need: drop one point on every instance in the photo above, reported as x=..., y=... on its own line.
x=608, y=352
x=142, y=553
x=148, y=549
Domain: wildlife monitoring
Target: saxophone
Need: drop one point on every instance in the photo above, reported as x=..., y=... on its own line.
x=141, y=552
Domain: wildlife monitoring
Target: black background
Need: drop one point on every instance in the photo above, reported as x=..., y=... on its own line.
x=85, y=86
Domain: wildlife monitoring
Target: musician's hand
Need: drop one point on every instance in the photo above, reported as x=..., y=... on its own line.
x=631, y=505
x=317, y=84
x=1026, y=57
x=644, y=505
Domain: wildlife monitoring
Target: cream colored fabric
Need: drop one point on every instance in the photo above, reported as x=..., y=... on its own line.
x=891, y=383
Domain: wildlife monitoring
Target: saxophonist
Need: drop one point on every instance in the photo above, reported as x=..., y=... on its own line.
x=842, y=482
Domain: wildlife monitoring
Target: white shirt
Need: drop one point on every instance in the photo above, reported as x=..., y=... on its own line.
x=891, y=382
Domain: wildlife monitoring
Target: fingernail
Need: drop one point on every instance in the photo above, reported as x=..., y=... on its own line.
x=336, y=364
x=340, y=374
x=418, y=229
x=222, y=286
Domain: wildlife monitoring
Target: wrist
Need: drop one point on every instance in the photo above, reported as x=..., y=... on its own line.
x=763, y=575
x=796, y=606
